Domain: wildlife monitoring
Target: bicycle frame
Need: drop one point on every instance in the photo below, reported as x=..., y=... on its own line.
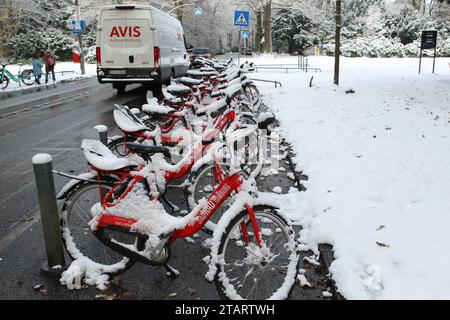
x=10, y=75
x=229, y=184
x=197, y=151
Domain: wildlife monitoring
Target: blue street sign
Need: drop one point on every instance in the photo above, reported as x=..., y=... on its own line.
x=78, y=26
x=242, y=18
x=245, y=34
x=198, y=11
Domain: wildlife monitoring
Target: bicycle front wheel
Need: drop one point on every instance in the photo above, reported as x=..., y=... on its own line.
x=250, y=272
x=202, y=184
x=27, y=77
x=254, y=95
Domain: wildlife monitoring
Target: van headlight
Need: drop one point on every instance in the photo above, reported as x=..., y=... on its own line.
x=101, y=73
x=154, y=73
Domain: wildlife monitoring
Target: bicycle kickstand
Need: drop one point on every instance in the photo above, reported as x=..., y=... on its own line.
x=171, y=271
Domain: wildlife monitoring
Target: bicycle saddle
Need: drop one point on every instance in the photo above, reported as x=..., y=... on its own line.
x=147, y=151
x=178, y=90
x=99, y=156
x=153, y=108
x=189, y=82
x=195, y=73
x=265, y=120
x=127, y=121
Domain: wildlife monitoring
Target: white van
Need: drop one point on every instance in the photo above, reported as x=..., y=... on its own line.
x=139, y=44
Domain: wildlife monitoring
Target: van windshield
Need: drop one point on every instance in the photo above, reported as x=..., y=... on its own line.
x=200, y=51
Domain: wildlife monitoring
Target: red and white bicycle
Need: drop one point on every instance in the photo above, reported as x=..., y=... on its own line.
x=254, y=253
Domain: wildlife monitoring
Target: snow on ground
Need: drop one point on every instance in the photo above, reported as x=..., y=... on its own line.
x=91, y=71
x=378, y=162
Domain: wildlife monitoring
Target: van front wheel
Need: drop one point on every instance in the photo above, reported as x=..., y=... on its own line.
x=120, y=87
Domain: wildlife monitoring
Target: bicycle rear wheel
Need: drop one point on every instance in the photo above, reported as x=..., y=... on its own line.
x=27, y=77
x=4, y=83
x=78, y=238
x=249, y=272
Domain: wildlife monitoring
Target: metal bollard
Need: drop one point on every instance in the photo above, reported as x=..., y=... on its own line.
x=45, y=185
x=103, y=133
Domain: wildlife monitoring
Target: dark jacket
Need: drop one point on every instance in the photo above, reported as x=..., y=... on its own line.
x=48, y=66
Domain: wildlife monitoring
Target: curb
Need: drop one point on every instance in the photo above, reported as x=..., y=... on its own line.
x=27, y=90
x=326, y=258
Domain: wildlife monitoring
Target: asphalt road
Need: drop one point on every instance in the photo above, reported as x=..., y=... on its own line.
x=52, y=120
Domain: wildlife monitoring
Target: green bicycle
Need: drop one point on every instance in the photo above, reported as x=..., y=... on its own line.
x=26, y=76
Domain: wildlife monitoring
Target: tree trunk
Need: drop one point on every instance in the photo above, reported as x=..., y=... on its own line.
x=267, y=44
x=337, y=39
x=259, y=31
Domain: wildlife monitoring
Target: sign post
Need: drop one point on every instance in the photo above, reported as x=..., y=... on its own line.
x=241, y=19
x=428, y=41
x=78, y=28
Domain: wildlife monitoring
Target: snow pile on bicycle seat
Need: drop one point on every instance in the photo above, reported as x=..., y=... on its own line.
x=190, y=80
x=213, y=107
x=168, y=96
x=154, y=107
x=127, y=121
x=178, y=89
x=98, y=155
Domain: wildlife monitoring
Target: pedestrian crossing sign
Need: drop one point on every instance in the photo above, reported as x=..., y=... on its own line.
x=242, y=18
x=245, y=34
x=198, y=11
x=78, y=26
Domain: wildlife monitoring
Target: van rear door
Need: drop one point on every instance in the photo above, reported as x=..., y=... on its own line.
x=140, y=38
x=113, y=42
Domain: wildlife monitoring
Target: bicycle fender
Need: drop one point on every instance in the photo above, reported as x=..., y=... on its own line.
x=74, y=184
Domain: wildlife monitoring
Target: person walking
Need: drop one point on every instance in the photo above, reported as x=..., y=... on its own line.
x=37, y=69
x=50, y=61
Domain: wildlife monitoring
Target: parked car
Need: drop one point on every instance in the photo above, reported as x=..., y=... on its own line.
x=139, y=44
x=200, y=52
x=244, y=51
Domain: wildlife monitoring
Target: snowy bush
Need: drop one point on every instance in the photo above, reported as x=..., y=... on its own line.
x=444, y=48
x=405, y=25
x=412, y=49
x=24, y=45
x=292, y=32
x=371, y=46
x=90, y=55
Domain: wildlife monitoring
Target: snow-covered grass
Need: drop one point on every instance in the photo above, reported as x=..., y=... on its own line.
x=91, y=71
x=378, y=162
